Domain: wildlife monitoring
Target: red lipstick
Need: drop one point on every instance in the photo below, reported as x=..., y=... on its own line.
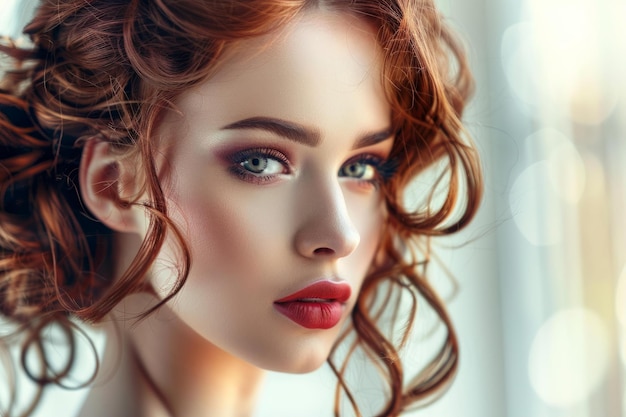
x=317, y=306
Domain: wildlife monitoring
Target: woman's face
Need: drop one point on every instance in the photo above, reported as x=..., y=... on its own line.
x=271, y=169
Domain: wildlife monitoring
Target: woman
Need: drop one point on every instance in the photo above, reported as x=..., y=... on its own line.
x=221, y=186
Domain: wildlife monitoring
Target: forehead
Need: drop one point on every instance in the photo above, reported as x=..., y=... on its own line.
x=323, y=64
x=316, y=42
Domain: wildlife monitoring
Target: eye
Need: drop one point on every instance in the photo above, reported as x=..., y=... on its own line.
x=258, y=165
x=360, y=169
x=368, y=171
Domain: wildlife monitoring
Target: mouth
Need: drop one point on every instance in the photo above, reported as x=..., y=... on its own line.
x=317, y=306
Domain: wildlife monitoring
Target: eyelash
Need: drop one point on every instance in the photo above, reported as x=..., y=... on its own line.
x=384, y=169
x=239, y=158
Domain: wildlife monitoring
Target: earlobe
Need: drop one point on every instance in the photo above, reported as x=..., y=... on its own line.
x=101, y=180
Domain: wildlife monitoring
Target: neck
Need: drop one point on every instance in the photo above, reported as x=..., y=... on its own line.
x=185, y=375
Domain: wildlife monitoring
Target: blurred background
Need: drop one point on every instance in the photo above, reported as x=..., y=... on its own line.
x=538, y=292
x=541, y=310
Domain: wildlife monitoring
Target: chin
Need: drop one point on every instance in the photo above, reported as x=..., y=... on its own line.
x=303, y=367
x=297, y=362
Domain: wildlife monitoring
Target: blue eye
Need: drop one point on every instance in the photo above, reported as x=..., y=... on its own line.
x=258, y=165
x=363, y=170
x=368, y=170
x=262, y=165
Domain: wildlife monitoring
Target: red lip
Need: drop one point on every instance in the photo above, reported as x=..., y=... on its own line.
x=318, y=306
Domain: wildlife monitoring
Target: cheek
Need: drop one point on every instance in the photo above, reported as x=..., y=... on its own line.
x=218, y=230
x=225, y=235
x=235, y=236
x=233, y=273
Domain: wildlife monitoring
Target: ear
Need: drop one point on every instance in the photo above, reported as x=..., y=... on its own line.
x=103, y=180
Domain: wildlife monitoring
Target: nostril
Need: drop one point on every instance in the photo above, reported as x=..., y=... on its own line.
x=323, y=251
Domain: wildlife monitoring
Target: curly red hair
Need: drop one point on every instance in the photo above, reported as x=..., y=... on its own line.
x=112, y=69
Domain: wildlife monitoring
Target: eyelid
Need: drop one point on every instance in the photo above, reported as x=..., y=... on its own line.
x=367, y=157
x=385, y=167
x=237, y=156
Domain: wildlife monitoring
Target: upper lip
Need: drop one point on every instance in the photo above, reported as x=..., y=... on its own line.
x=323, y=290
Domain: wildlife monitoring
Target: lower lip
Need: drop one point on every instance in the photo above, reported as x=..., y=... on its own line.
x=312, y=315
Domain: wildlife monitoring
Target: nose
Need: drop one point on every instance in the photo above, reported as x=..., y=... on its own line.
x=326, y=228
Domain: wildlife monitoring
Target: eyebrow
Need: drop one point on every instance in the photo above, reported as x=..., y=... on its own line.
x=299, y=133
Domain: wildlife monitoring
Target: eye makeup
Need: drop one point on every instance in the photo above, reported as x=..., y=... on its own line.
x=369, y=170
x=266, y=164
x=258, y=165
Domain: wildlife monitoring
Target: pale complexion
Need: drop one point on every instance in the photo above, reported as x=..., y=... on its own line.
x=269, y=170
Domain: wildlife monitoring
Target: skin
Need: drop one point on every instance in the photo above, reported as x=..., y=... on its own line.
x=263, y=214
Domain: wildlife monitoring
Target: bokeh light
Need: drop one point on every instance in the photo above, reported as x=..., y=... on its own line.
x=560, y=62
x=620, y=302
x=567, y=170
x=569, y=357
x=516, y=54
x=535, y=207
x=555, y=177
